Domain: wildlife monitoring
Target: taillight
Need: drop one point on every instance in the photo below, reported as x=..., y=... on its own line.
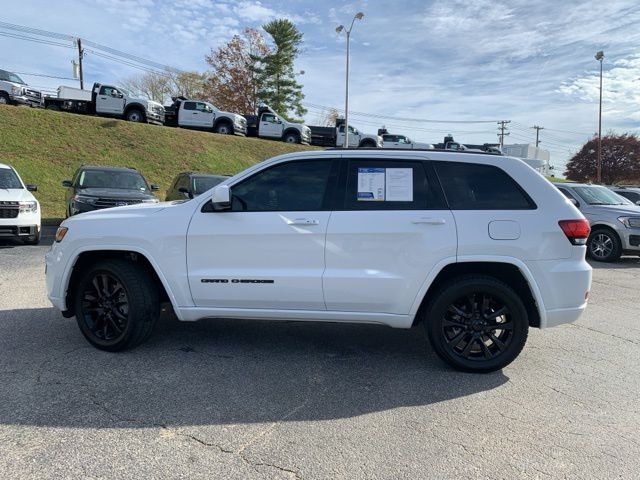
x=577, y=231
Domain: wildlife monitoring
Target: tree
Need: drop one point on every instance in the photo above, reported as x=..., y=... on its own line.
x=232, y=83
x=620, y=160
x=161, y=86
x=277, y=85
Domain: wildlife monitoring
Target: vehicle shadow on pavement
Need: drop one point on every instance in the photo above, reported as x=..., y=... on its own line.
x=622, y=263
x=217, y=372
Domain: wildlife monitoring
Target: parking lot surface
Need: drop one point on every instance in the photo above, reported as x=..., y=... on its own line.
x=242, y=400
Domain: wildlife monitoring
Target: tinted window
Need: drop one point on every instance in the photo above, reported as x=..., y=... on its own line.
x=633, y=196
x=268, y=117
x=566, y=194
x=286, y=187
x=9, y=179
x=469, y=186
x=597, y=195
x=107, y=90
x=391, y=185
x=189, y=105
x=203, y=183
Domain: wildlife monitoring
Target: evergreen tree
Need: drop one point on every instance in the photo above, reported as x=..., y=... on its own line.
x=277, y=85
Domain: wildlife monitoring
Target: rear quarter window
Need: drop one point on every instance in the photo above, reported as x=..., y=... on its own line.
x=470, y=186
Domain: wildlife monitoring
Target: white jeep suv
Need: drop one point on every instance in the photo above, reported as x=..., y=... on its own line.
x=474, y=248
x=19, y=210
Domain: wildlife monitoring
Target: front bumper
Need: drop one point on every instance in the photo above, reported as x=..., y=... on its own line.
x=306, y=137
x=18, y=231
x=240, y=129
x=155, y=117
x=630, y=239
x=25, y=100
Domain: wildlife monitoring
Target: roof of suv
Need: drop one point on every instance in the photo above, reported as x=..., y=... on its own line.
x=107, y=168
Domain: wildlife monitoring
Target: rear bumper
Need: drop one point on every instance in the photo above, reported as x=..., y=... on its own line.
x=563, y=315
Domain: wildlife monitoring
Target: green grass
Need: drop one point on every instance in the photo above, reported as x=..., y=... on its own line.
x=46, y=147
x=558, y=180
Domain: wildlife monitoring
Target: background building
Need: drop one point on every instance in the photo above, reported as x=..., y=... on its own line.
x=532, y=155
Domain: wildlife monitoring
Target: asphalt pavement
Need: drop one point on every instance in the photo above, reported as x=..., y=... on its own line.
x=229, y=399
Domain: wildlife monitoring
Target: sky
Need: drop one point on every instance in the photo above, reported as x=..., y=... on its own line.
x=530, y=62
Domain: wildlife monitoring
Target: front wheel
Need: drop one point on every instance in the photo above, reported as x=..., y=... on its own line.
x=368, y=144
x=292, y=138
x=33, y=239
x=135, y=115
x=224, y=129
x=116, y=305
x=476, y=324
x=4, y=99
x=604, y=245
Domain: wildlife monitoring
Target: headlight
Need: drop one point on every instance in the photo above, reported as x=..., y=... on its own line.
x=60, y=233
x=630, y=222
x=16, y=90
x=84, y=199
x=28, y=207
x=150, y=200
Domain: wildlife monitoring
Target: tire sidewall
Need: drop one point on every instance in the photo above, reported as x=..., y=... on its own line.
x=132, y=112
x=223, y=129
x=4, y=99
x=453, y=291
x=292, y=138
x=617, y=246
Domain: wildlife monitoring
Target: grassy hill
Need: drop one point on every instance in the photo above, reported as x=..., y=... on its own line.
x=46, y=147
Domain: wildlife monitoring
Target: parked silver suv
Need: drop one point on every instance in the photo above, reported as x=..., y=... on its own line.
x=615, y=220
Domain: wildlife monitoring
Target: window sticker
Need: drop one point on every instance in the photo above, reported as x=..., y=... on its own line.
x=371, y=184
x=399, y=185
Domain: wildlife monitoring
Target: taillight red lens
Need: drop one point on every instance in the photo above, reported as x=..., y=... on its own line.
x=577, y=231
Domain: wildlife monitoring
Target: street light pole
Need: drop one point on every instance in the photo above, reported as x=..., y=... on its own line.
x=358, y=16
x=599, y=57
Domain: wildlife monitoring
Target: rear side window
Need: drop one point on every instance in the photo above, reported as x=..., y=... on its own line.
x=470, y=186
x=189, y=105
x=391, y=185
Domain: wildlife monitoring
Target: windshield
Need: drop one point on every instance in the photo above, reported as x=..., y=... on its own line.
x=11, y=77
x=9, y=179
x=202, y=184
x=125, y=91
x=596, y=195
x=107, y=179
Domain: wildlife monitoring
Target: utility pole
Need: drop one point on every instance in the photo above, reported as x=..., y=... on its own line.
x=80, y=55
x=537, y=128
x=599, y=57
x=502, y=128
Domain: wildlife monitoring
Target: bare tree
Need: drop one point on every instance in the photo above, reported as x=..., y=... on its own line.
x=161, y=86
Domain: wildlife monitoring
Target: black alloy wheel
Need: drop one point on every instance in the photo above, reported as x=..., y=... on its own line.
x=477, y=323
x=116, y=304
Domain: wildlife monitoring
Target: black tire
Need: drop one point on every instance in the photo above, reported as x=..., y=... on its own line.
x=604, y=245
x=135, y=115
x=457, y=330
x=4, y=99
x=368, y=144
x=292, y=137
x=224, y=128
x=33, y=240
x=123, y=318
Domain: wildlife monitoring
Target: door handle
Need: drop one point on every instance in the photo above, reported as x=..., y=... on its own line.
x=429, y=221
x=303, y=221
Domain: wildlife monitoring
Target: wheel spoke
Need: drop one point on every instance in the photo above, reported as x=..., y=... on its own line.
x=498, y=313
x=467, y=348
x=485, y=349
x=447, y=323
x=115, y=325
x=500, y=326
x=457, y=311
x=456, y=340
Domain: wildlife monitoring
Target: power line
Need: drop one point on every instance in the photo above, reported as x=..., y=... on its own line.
x=35, y=40
x=43, y=75
x=503, y=127
x=398, y=119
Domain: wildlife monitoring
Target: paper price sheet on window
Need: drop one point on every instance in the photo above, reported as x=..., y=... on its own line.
x=385, y=184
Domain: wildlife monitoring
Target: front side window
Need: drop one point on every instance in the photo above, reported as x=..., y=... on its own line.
x=390, y=185
x=106, y=90
x=11, y=77
x=189, y=105
x=293, y=186
x=9, y=179
x=469, y=186
x=268, y=117
x=202, y=107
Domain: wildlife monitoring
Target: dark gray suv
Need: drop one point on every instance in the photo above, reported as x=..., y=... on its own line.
x=615, y=220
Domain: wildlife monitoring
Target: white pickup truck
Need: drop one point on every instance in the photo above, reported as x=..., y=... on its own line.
x=268, y=124
x=106, y=101
x=14, y=91
x=201, y=115
x=334, y=136
x=400, y=141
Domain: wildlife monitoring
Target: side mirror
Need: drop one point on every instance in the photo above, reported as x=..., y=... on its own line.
x=67, y=183
x=114, y=93
x=154, y=187
x=221, y=197
x=186, y=192
x=638, y=203
x=32, y=188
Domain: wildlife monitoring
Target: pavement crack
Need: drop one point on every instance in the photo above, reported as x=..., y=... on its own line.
x=634, y=342
x=295, y=474
x=206, y=444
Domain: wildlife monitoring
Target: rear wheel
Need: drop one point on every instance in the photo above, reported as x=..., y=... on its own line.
x=135, y=115
x=604, y=245
x=116, y=305
x=476, y=324
x=292, y=138
x=4, y=98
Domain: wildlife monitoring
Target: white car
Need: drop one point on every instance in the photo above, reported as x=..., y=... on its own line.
x=474, y=248
x=19, y=210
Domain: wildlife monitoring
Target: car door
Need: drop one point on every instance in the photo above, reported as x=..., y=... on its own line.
x=267, y=251
x=188, y=115
x=354, y=137
x=204, y=117
x=109, y=101
x=388, y=232
x=270, y=126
